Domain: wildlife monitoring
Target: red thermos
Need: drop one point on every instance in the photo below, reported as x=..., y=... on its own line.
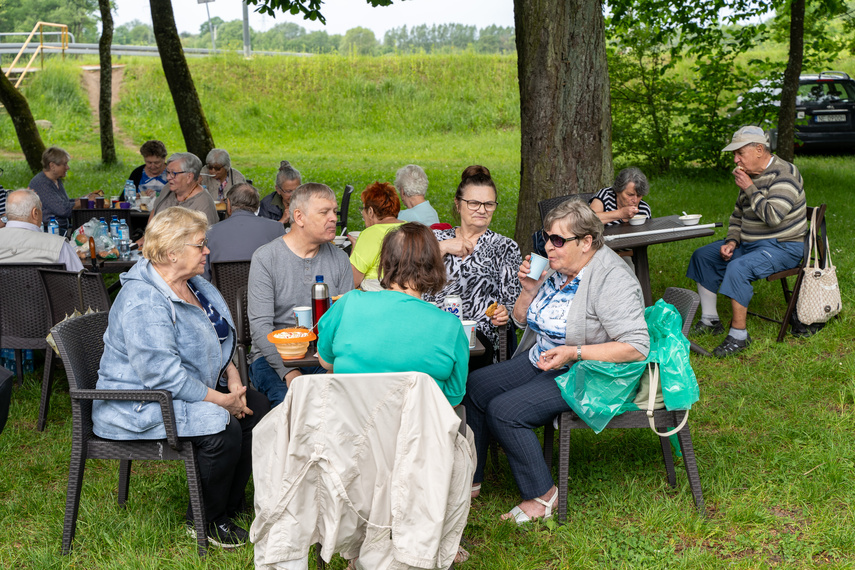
x=320, y=299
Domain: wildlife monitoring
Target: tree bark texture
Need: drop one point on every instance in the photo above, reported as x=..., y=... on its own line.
x=564, y=104
x=787, y=112
x=25, y=125
x=191, y=117
x=105, y=95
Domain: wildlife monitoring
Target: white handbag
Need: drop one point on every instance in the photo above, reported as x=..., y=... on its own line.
x=819, y=294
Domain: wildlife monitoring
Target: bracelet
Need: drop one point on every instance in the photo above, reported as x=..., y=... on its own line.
x=578, y=352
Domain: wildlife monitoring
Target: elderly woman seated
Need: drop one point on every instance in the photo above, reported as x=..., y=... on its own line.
x=586, y=306
x=150, y=177
x=218, y=176
x=384, y=331
x=380, y=207
x=169, y=329
x=623, y=199
x=276, y=205
x=182, y=172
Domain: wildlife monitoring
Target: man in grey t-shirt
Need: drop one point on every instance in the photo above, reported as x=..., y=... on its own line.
x=281, y=278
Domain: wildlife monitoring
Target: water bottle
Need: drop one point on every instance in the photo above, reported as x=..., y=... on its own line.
x=130, y=192
x=114, y=228
x=105, y=228
x=53, y=226
x=8, y=357
x=320, y=299
x=124, y=240
x=29, y=366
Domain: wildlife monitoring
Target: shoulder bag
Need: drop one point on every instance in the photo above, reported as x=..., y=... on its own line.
x=819, y=295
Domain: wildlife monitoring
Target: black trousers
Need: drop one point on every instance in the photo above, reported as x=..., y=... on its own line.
x=225, y=462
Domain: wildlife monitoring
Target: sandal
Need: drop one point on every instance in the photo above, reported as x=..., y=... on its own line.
x=462, y=556
x=521, y=517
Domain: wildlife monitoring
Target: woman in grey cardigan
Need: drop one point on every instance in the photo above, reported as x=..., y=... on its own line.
x=586, y=306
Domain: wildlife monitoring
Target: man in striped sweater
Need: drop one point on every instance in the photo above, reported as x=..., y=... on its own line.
x=765, y=235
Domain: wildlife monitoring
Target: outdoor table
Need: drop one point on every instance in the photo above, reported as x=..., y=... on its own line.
x=625, y=238
x=311, y=360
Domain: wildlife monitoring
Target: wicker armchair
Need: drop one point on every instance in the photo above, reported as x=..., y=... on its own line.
x=686, y=302
x=345, y=206
x=66, y=291
x=5, y=392
x=81, y=342
x=228, y=277
x=25, y=315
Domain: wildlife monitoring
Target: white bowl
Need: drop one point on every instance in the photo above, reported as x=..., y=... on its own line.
x=340, y=241
x=637, y=220
x=354, y=234
x=690, y=220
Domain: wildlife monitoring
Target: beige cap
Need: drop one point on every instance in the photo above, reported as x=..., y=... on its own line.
x=746, y=135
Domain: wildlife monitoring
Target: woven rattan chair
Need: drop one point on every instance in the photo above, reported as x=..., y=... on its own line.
x=345, y=206
x=65, y=292
x=229, y=277
x=546, y=206
x=5, y=392
x=686, y=302
x=244, y=338
x=791, y=296
x=81, y=342
x=25, y=314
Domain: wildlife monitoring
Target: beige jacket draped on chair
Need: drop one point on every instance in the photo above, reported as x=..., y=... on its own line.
x=369, y=465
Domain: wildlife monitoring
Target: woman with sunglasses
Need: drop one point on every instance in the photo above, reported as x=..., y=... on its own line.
x=586, y=306
x=218, y=176
x=481, y=264
x=169, y=329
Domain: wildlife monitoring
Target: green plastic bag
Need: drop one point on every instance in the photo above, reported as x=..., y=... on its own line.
x=598, y=391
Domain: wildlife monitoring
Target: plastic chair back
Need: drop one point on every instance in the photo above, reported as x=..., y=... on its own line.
x=66, y=291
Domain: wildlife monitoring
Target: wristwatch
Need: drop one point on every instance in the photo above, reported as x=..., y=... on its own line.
x=578, y=352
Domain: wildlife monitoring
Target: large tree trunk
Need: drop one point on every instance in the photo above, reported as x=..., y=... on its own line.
x=564, y=104
x=191, y=117
x=25, y=126
x=105, y=96
x=787, y=112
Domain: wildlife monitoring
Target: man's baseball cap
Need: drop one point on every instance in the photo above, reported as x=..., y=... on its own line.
x=746, y=135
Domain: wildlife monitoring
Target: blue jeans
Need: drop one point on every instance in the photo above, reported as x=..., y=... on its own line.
x=750, y=262
x=509, y=400
x=267, y=381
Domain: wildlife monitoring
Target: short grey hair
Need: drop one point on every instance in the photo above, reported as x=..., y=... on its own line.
x=411, y=180
x=244, y=196
x=634, y=175
x=219, y=156
x=189, y=162
x=18, y=209
x=287, y=172
x=305, y=192
x=55, y=155
x=578, y=217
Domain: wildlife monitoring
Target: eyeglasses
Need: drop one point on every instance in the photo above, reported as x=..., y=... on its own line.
x=557, y=240
x=171, y=174
x=215, y=167
x=280, y=189
x=201, y=246
x=475, y=205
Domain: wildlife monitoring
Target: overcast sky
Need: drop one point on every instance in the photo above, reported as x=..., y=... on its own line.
x=341, y=15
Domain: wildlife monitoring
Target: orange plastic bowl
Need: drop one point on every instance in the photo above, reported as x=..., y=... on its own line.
x=292, y=343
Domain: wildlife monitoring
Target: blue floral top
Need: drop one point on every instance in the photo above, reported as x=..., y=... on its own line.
x=547, y=314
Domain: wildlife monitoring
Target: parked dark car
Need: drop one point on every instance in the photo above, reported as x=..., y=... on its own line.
x=825, y=110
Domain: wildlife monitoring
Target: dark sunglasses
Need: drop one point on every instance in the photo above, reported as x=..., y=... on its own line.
x=557, y=240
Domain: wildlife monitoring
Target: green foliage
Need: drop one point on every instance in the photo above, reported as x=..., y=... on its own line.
x=311, y=9
x=79, y=15
x=133, y=33
x=359, y=41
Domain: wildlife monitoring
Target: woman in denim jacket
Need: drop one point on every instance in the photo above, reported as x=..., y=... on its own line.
x=169, y=329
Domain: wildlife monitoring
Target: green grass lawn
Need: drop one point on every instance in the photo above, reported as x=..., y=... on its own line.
x=772, y=430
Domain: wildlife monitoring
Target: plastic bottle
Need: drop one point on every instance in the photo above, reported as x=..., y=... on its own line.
x=105, y=228
x=320, y=299
x=130, y=192
x=53, y=226
x=8, y=358
x=29, y=365
x=114, y=228
x=124, y=240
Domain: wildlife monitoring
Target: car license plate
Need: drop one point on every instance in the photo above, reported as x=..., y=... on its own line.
x=836, y=118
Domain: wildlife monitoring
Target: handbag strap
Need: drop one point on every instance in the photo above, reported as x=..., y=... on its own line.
x=812, y=246
x=653, y=368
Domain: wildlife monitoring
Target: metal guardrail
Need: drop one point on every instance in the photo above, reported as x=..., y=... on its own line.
x=144, y=51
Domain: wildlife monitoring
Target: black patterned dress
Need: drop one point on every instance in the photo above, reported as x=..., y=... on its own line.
x=488, y=275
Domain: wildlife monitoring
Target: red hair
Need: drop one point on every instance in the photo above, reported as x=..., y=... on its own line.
x=383, y=197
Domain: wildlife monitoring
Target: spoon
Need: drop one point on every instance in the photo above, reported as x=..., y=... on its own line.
x=344, y=231
x=684, y=213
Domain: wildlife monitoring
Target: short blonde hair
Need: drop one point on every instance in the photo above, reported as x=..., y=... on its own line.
x=169, y=230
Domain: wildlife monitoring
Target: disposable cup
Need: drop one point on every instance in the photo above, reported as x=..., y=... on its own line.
x=304, y=316
x=469, y=331
x=91, y=204
x=84, y=203
x=538, y=264
x=99, y=202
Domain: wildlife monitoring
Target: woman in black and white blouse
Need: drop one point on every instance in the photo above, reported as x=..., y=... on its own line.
x=481, y=264
x=623, y=200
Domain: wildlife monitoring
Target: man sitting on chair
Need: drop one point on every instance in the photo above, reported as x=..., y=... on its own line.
x=237, y=237
x=765, y=235
x=22, y=240
x=281, y=277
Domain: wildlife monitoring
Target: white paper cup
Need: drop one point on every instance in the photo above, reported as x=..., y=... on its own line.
x=538, y=264
x=469, y=331
x=354, y=234
x=304, y=316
